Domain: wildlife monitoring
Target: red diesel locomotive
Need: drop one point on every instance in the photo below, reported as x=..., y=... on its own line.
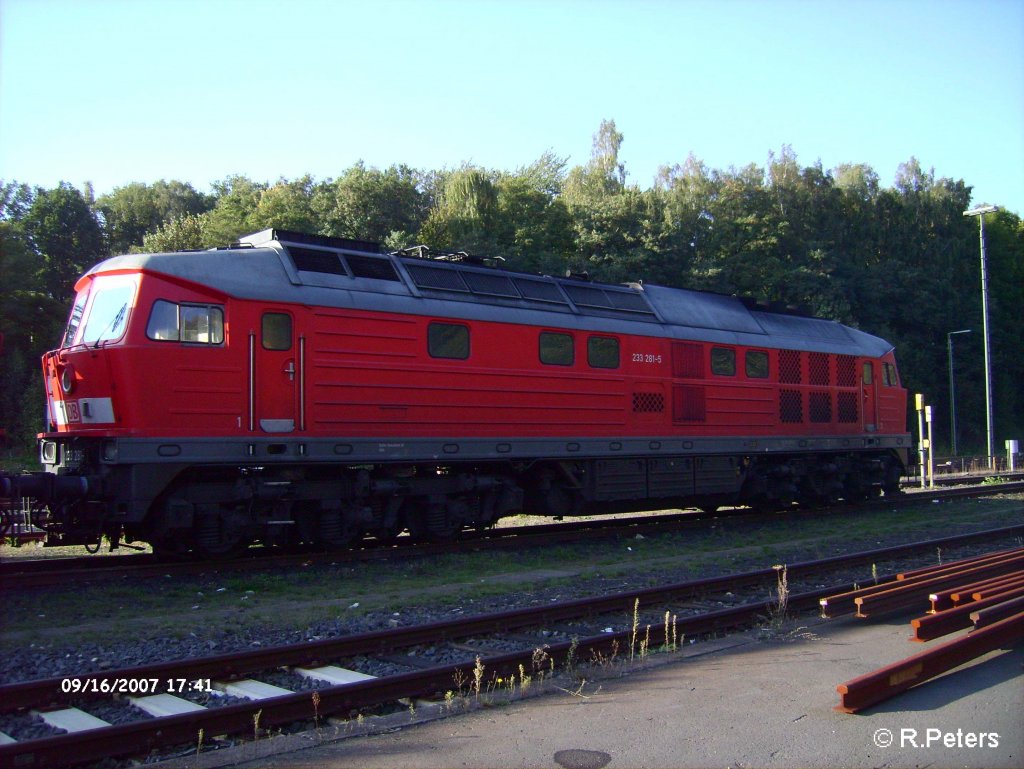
x=303, y=389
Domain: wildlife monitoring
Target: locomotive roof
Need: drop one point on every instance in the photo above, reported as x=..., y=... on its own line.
x=280, y=266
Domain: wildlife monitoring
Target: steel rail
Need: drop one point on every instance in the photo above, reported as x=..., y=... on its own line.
x=907, y=582
x=908, y=593
x=946, y=568
x=946, y=599
x=932, y=626
x=879, y=685
x=985, y=616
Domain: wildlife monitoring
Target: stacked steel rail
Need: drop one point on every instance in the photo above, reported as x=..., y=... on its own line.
x=985, y=594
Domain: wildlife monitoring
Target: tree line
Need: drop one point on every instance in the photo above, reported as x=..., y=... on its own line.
x=898, y=261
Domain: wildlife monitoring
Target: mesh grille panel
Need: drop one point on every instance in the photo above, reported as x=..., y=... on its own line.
x=847, y=406
x=817, y=369
x=789, y=367
x=791, y=406
x=819, y=405
x=648, y=403
x=846, y=371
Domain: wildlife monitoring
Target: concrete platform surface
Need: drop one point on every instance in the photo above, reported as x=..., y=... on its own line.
x=756, y=704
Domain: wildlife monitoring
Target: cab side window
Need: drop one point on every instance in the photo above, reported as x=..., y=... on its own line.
x=190, y=323
x=889, y=376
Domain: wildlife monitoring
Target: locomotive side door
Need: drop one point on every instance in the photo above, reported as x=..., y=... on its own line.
x=869, y=398
x=277, y=373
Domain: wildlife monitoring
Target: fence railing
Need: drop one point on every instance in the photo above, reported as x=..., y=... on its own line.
x=968, y=466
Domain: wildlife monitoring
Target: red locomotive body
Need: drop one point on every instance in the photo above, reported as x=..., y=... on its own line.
x=305, y=389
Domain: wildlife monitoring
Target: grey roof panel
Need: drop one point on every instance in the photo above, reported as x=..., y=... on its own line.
x=696, y=309
x=268, y=273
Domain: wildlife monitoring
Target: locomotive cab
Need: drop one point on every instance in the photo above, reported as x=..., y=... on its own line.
x=83, y=411
x=78, y=378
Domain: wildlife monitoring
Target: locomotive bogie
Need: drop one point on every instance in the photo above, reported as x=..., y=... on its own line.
x=305, y=390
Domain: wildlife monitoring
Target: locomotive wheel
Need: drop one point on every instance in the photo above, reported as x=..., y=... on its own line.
x=218, y=537
x=336, y=530
x=434, y=521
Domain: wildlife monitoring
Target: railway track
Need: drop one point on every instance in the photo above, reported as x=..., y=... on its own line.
x=471, y=655
x=26, y=573
x=44, y=572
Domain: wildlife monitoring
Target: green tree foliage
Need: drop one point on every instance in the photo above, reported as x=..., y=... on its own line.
x=532, y=225
x=465, y=217
x=611, y=220
x=234, y=215
x=285, y=206
x=386, y=206
x=131, y=212
x=899, y=261
x=62, y=230
x=30, y=316
x=183, y=233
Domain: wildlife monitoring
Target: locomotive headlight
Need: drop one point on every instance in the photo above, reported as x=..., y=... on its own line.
x=67, y=379
x=109, y=451
x=48, y=452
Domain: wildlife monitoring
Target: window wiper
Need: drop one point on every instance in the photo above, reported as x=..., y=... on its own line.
x=114, y=323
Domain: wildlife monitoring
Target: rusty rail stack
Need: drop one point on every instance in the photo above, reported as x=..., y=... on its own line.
x=985, y=594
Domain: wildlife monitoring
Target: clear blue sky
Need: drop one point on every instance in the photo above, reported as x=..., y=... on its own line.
x=114, y=91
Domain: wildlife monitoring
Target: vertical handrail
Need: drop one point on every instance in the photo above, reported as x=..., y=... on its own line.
x=302, y=383
x=252, y=381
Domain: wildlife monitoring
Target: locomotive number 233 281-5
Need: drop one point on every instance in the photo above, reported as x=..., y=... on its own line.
x=645, y=357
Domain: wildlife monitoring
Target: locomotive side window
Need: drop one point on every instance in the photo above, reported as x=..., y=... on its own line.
x=277, y=331
x=756, y=363
x=202, y=324
x=448, y=340
x=869, y=372
x=556, y=349
x=889, y=375
x=603, y=352
x=723, y=361
x=192, y=323
x=163, y=323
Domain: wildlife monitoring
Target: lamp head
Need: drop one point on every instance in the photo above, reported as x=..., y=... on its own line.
x=984, y=208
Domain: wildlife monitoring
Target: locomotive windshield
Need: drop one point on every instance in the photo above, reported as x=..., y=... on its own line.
x=100, y=311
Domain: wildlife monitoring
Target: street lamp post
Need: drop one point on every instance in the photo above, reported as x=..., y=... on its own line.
x=952, y=386
x=980, y=212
